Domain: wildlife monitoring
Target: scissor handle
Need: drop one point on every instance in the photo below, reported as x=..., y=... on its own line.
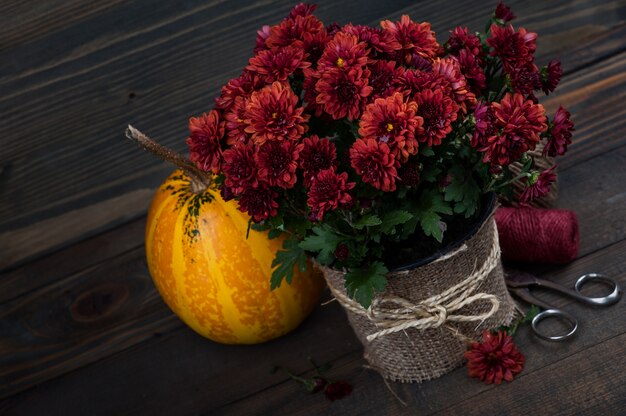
x=559, y=314
x=610, y=299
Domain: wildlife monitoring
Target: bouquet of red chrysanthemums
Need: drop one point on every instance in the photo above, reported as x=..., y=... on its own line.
x=352, y=139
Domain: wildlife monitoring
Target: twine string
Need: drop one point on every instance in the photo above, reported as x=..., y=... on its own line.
x=394, y=314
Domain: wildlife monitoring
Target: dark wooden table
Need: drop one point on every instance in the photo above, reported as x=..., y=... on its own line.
x=82, y=328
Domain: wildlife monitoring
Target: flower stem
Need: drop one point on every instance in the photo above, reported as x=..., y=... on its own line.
x=200, y=180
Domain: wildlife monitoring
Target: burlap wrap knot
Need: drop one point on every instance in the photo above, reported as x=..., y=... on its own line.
x=397, y=314
x=418, y=328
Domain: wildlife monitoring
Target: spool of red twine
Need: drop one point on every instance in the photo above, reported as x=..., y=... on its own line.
x=534, y=235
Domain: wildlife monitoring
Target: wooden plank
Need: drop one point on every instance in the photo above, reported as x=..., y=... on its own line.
x=17, y=246
x=599, y=202
x=88, y=80
x=371, y=394
x=595, y=97
x=89, y=253
x=201, y=372
x=21, y=22
x=205, y=362
x=78, y=320
x=593, y=386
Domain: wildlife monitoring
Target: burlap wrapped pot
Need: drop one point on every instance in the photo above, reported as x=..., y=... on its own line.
x=419, y=327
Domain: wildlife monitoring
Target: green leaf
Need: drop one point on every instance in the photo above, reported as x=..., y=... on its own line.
x=430, y=174
x=324, y=242
x=364, y=283
x=464, y=191
x=261, y=226
x=534, y=311
x=427, y=151
x=274, y=233
x=368, y=220
x=432, y=225
x=286, y=259
x=393, y=218
x=432, y=204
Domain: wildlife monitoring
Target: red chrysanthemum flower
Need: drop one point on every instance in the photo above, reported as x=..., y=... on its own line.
x=329, y=191
x=473, y=69
x=277, y=162
x=525, y=80
x=486, y=125
x=374, y=163
x=560, y=133
x=240, y=167
x=376, y=39
x=272, y=114
x=420, y=63
x=316, y=155
x=204, y=141
x=311, y=77
x=333, y=28
x=392, y=121
x=342, y=252
x=414, y=38
x=494, y=359
x=242, y=86
x=409, y=174
x=551, y=76
x=235, y=122
x=343, y=93
x=261, y=39
x=538, y=185
x=337, y=390
x=450, y=70
x=461, y=39
x=412, y=81
x=260, y=203
x=384, y=78
x=314, y=45
x=515, y=49
x=278, y=63
x=344, y=51
x=302, y=9
x=438, y=111
x=504, y=12
x=516, y=126
x=291, y=31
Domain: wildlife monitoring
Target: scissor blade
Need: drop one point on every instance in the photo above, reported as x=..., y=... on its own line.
x=525, y=295
x=515, y=278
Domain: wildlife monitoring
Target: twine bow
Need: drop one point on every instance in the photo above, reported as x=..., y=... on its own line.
x=395, y=314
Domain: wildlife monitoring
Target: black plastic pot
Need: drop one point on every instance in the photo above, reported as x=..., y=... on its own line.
x=487, y=206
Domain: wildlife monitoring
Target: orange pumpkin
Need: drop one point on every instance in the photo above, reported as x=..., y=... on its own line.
x=214, y=278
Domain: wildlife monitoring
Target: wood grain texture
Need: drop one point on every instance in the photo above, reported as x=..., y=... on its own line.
x=155, y=66
x=89, y=253
x=371, y=393
x=78, y=320
x=19, y=245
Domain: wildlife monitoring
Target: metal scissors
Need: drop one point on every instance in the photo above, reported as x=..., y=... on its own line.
x=520, y=283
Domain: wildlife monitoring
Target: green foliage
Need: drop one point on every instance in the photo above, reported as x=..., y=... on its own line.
x=362, y=284
x=428, y=210
x=530, y=315
x=324, y=242
x=368, y=220
x=463, y=191
x=393, y=218
x=286, y=260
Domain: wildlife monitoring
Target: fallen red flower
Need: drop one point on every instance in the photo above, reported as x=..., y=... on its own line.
x=494, y=359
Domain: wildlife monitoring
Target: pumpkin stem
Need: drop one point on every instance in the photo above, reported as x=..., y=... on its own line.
x=200, y=180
